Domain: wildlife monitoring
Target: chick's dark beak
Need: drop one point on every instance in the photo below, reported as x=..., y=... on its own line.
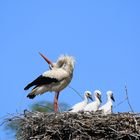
x=90, y=97
x=99, y=97
x=112, y=98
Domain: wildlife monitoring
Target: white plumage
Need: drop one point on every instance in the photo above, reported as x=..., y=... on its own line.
x=93, y=106
x=60, y=75
x=55, y=79
x=107, y=108
x=80, y=106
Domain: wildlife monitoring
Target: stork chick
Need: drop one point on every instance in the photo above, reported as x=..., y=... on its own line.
x=107, y=108
x=94, y=106
x=55, y=79
x=80, y=106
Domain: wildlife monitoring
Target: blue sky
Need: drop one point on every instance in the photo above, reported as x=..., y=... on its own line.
x=103, y=36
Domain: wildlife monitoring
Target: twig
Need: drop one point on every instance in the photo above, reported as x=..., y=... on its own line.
x=121, y=102
x=136, y=123
x=76, y=92
x=60, y=109
x=126, y=91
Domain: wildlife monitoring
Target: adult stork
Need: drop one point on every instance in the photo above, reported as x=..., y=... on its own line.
x=55, y=79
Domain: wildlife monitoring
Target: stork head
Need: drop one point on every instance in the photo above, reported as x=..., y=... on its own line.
x=66, y=62
x=97, y=94
x=110, y=95
x=88, y=95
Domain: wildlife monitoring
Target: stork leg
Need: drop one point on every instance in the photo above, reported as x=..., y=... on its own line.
x=56, y=101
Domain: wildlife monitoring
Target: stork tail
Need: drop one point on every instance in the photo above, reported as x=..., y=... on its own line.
x=31, y=96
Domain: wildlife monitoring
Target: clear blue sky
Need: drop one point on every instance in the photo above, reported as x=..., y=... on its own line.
x=103, y=36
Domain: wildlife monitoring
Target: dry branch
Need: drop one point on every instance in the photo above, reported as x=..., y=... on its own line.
x=77, y=126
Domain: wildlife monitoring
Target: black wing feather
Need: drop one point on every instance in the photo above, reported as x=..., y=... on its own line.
x=70, y=109
x=41, y=80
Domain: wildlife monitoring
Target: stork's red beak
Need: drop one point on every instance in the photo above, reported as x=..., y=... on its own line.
x=46, y=59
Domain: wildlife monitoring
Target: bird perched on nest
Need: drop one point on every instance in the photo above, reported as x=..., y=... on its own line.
x=55, y=79
x=80, y=106
x=107, y=108
x=94, y=106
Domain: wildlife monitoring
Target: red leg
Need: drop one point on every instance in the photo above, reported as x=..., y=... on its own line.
x=56, y=101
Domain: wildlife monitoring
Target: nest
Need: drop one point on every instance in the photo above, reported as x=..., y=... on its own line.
x=77, y=126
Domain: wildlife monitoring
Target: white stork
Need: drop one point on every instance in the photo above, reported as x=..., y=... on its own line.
x=55, y=79
x=80, y=106
x=94, y=106
x=107, y=108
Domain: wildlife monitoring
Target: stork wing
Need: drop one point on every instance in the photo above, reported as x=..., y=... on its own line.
x=77, y=107
x=103, y=107
x=41, y=80
x=48, y=77
x=58, y=74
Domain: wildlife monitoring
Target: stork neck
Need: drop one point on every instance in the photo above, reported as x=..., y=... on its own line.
x=69, y=69
x=97, y=99
x=109, y=99
x=85, y=99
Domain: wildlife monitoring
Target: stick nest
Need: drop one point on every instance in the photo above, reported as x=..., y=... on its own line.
x=77, y=126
